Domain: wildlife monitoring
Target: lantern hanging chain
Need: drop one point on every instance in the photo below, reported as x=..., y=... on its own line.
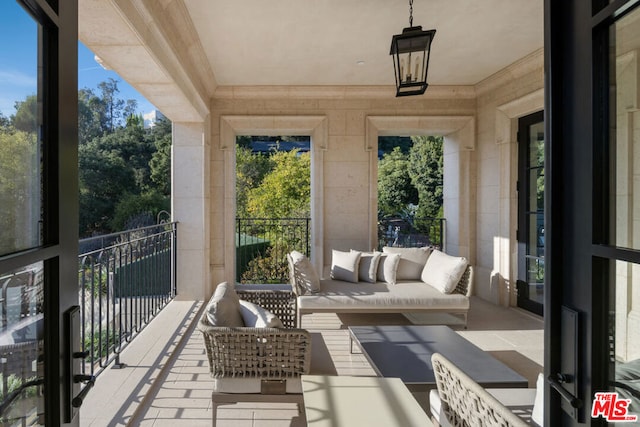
x=410, y=13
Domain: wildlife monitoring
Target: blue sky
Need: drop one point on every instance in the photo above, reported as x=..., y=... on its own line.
x=18, y=63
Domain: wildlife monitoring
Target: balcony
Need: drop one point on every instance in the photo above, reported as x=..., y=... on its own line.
x=162, y=376
x=166, y=380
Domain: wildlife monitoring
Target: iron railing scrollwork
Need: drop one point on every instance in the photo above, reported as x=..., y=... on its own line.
x=412, y=232
x=122, y=286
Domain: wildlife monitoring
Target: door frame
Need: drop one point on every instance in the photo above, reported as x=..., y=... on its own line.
x=522, y=234
x=577, y=222
x=58, y=85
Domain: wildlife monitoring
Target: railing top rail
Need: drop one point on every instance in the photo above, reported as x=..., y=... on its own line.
x=111, y=235
x=172, y=227
x=274, y=218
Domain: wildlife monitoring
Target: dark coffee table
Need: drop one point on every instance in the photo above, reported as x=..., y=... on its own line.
x=405, y=352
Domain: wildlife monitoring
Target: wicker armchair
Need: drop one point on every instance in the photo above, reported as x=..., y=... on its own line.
x=258, y=364
x=465, y=403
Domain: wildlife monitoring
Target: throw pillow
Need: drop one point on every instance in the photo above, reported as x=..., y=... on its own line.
x=537, y=414
x=443, y=271
x=368, y=270
x=412, y=261
x=223, y=308
x=387, y=268
x=255, y=316
x=292, y=276
x=345, y=265
x=305, y=277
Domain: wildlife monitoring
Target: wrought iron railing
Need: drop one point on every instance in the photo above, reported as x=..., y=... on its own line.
x=413, y=232
x=122, y=286
x=262, y=245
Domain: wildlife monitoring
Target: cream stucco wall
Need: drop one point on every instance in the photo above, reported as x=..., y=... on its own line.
x=479, y=124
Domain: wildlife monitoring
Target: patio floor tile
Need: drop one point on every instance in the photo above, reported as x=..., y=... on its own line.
x=162, y=387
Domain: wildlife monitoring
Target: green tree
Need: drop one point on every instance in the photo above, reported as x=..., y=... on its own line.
x=425, y=169
x=251, y=169
x=114, y=107
x=131, y=206
x=5, y=123
x=26, y=116
x=386, y=144
x=130, y=144
x=160, y=164
x=395, y=190
x=92, y=121
x=18, y=176
x=286, y=190
x=104, y=178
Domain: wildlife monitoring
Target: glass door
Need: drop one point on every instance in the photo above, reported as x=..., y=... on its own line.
x=618, y=234
x=22, y=286
x=38, y=210
x=531, y=213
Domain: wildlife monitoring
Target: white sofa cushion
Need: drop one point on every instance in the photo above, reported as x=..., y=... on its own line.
x=255, y=316
x=345, y=265
x=401, y=296
x=304, y=279
x=223, y=309
x=412, y=261
x=388, y=267
x=368, y=270
x=443, y=271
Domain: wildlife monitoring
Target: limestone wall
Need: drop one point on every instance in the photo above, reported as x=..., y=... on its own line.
x=512, y=93
x=479, y=124
x=344, y=123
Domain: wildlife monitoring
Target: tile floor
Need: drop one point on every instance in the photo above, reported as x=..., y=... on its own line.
x=166, y=381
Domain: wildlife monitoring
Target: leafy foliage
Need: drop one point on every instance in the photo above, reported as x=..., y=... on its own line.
x=410, y=184
x=131, y=206
x=104, y=178
x=271, y=267
x=250, y=171
x=125, y=170
x=160, y=163
x=276, y=185
x=386, y=144
x=425, y=169
x=26, y=118
x=286, y=190
x=395, y=190
x=18, y=176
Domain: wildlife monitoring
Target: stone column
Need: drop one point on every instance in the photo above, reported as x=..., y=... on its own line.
x=190, y=196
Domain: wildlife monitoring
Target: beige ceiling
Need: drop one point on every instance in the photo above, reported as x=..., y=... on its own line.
x=319, y=42
x=177, y=52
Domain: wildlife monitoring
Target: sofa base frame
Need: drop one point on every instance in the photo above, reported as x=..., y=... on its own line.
x=342, y=310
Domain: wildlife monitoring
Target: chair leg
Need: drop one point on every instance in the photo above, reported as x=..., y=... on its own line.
x=214, y=412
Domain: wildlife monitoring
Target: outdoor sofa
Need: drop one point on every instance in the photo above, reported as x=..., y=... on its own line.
x=396, y=280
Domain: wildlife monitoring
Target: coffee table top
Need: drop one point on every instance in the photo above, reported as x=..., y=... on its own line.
x=405, y=352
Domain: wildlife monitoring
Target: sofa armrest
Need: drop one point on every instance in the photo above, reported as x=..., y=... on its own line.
x=265, y=353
